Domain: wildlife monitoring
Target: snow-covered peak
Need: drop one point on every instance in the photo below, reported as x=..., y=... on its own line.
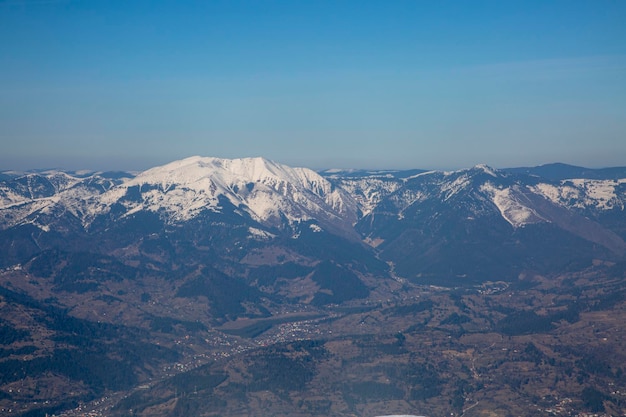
x=270, y=192
x=194, y=172
x=486, y=169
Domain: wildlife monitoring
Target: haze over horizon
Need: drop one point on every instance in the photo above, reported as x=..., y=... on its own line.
x=372, y=85
x=101, y=166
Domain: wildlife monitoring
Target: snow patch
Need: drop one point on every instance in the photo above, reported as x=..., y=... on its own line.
x=556, y=194
x=421, y=174
x=600, y=194
x=452, y=188
x=260, y=234
x=584, y=193
x=510, y=206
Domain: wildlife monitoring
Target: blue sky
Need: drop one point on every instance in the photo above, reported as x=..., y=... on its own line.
x=95, y=84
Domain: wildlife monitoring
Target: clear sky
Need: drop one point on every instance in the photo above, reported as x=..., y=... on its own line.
x=95, y=84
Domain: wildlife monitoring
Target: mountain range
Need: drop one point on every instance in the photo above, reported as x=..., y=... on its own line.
x=125, y=274
x=475, y=224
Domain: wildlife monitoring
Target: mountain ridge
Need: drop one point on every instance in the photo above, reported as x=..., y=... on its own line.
x=371, y=207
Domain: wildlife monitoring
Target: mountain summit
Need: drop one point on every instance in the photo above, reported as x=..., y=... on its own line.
x=268, y=192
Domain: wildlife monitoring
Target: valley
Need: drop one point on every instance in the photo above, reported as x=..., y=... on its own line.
x=215, y=287
x=550, y=347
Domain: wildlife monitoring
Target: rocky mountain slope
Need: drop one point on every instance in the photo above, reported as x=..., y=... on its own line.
x=482, y=223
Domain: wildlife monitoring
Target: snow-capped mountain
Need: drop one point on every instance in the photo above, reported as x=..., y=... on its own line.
x=434, y=223
x=462, y=223
x=41, y=198
x=510, y=193
x=268, y=192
